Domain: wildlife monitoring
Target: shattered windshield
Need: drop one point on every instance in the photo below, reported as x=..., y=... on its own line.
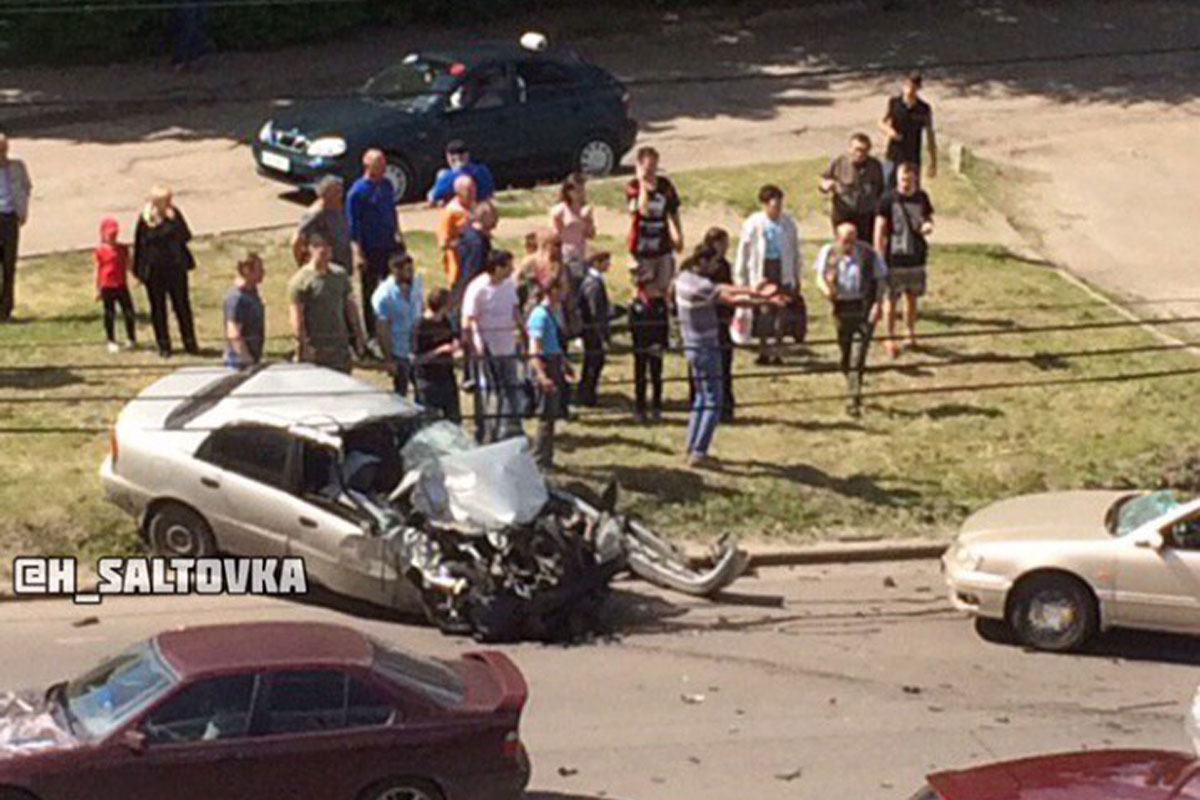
x=432, y=678
x=1137, y=511
x=110, y=694
x=416, y=83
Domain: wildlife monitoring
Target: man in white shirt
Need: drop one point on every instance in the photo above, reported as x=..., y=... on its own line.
x=491, y=320
x=854, y=279
x=15, y=188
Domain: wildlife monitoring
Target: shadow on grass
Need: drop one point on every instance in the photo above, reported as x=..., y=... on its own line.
x=944, y=411
x=949, y=318
x=861, y=486
x=666, y=484
x=41, y=378
x=570, y=442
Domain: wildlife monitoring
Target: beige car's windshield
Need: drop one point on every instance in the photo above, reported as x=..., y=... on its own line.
x=1134, y=512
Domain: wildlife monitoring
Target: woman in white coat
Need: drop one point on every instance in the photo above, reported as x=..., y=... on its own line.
x=768, y=255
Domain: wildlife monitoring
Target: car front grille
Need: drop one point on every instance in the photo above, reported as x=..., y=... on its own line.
x=292, y=140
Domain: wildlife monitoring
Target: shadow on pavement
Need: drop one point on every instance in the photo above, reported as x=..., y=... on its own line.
x=1129, y=645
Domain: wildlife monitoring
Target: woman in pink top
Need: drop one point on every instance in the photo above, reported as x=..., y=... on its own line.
x=572, y=219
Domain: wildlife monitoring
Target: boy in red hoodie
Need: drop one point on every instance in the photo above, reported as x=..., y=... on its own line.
x=112, y=285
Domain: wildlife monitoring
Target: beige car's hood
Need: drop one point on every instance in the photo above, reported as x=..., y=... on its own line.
x=1038, y=517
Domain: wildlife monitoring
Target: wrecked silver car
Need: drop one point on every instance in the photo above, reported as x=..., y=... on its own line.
x=383, y=504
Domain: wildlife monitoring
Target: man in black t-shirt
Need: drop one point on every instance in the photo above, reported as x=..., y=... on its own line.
x=433, y=355
x=904, y=221
x=908, y=117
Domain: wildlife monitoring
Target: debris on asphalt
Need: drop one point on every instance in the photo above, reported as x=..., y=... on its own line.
x=912, y=689
x=567, y=772
x=85, y=622
x=692, y=699
x=693, y=759
x=889, y=582
x=790, y=776
x=1003, y=720
x=936, y=709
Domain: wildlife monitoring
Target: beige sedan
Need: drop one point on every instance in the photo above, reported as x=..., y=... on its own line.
x=1058, y=567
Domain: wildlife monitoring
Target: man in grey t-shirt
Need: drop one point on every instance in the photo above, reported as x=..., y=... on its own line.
x=696, y=297
x=326, y=218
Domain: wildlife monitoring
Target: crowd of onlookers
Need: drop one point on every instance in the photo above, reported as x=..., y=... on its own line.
x=511, y=321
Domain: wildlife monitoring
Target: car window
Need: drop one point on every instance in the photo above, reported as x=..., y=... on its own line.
x=1140, y=509
x=118, y=689
x=433, y=679
x=539, y=79
x=218, y=708
x=306, y=701
x=253, y=451
x=1185, y=535
x=489, y=87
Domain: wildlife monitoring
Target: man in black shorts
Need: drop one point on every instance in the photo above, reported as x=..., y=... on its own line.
x=904, y=221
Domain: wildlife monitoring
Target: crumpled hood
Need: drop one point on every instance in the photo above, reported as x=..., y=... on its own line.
x=489, y=487
x=27, y=726
x=1042, y=517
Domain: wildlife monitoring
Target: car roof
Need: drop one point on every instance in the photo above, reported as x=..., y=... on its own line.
x=482, y=52
x=278, y=395
x=205, y=649
x=1095, y=775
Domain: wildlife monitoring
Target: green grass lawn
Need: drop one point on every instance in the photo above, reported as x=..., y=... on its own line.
x=796, y=467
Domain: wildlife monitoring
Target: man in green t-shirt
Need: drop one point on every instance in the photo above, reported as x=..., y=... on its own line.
x=323, y=312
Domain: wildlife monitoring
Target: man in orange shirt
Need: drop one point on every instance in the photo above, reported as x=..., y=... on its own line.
x=462, y=241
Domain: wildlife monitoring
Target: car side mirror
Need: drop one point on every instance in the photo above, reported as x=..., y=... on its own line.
x=134, y=740
x=1150, y=541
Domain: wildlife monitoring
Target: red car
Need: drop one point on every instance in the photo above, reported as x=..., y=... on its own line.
x=1098, y=775
x=266, y=710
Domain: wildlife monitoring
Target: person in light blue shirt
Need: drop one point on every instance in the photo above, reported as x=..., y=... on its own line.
x=398, y=303
x=549, y=366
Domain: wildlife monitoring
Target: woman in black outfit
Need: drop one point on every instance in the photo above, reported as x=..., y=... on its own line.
x=162, y=260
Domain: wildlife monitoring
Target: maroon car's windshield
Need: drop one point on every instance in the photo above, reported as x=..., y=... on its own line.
x=117, y=689
x=435, y=680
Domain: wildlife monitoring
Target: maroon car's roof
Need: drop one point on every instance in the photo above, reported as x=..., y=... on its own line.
x=217, y=648
x=1097, y=775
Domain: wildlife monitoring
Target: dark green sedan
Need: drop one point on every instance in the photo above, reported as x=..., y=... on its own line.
x=526, y=113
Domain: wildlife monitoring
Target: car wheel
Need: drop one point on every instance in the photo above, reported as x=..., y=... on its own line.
x=176, y=530
x=596, y=157
x=400, y=175
x=1052, y=612
x=402, y=790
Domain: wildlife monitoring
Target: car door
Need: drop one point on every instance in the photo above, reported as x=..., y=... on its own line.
x=329, y=733
x=246, y=472
x=1159, y=587
x=340, y=551
x=192, y=745
x=555, y=113
x=483, y=112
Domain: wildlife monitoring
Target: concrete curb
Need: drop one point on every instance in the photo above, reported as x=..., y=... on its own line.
x=837, y=553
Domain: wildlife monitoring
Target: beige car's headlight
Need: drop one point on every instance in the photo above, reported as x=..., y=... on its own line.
x=966, y=558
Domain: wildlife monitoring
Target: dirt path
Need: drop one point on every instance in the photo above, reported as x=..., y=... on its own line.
x=1105, y=146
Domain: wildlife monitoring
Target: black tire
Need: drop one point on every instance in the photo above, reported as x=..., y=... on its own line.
x=1052, y=612
x=994, y=631
x=596, y=156
x=401, y=789
x=175, y=530
x=403, y=178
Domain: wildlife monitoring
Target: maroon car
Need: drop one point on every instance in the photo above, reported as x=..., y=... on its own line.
x=1098, y=775
x=265, y=710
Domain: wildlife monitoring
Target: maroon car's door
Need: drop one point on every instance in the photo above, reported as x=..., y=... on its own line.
x=327, y=735
x=192, y=745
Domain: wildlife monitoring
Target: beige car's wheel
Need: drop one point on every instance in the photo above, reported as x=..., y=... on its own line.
x=177, y=531
x=1052, y=612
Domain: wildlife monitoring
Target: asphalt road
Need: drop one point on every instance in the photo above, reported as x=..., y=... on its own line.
x=853, y=687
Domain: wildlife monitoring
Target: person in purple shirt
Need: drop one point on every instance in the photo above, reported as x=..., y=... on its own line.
x=374, y=227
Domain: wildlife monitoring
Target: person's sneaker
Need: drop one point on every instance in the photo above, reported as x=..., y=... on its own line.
x=131, y=345
x=374, y=350
x=639, y=417
x=701, y=461
x=762, y=360
x=113, y=347
x=164, y=353
x=656, y=415
x=854, y=409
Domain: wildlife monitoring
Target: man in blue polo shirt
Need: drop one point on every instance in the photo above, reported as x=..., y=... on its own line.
x=458, y=160
x=374, y=227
